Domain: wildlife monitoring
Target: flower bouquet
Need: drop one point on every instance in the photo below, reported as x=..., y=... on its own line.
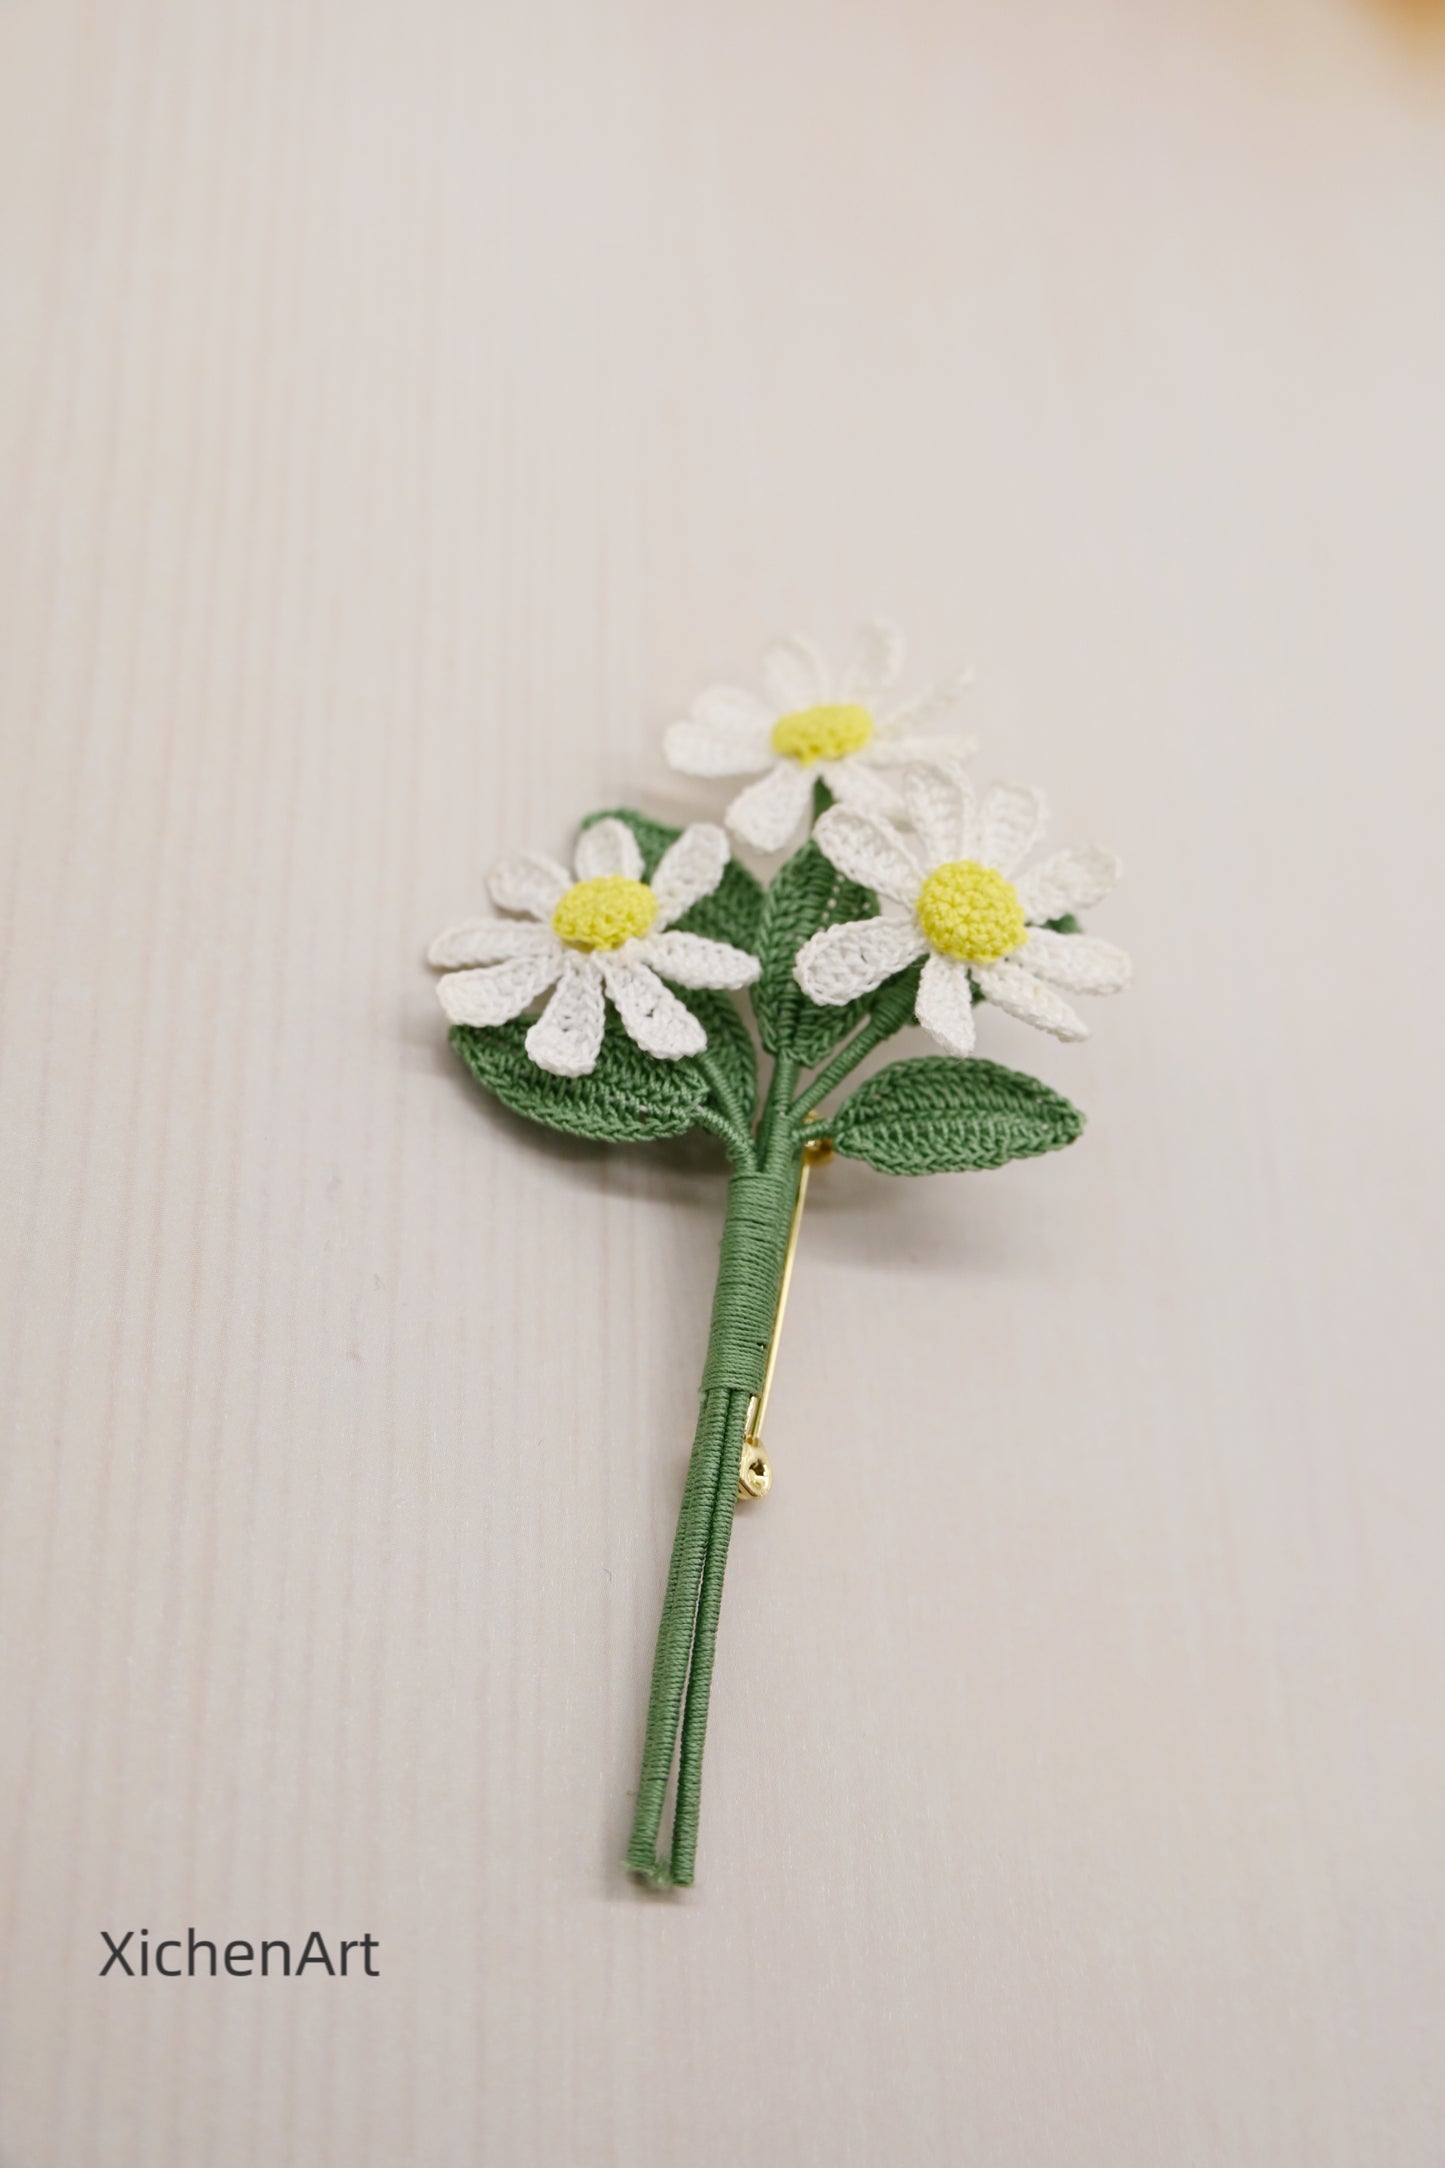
x=913, y=898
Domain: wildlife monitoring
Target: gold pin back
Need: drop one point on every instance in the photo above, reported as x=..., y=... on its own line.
x=755, y=1473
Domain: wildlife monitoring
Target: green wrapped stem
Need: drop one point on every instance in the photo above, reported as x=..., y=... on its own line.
x=754, y=1243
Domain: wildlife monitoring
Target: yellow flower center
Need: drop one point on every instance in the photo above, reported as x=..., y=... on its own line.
x=968, y=910
x=828, y=733
x=604, y=913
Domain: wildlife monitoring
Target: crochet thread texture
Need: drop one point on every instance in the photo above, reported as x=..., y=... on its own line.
x=934, y=1115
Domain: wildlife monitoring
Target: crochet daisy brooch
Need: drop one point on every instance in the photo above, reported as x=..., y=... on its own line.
x=598, y=1000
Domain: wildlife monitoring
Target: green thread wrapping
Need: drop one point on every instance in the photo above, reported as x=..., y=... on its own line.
x=755, y=1237
x=675, y=1633
x=704, y=1648
x=940, y=1115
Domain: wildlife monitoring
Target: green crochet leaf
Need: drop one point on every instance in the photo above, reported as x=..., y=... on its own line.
x=730, y=913
x=805, y=894
x=940, y=1115
x=629, y=1097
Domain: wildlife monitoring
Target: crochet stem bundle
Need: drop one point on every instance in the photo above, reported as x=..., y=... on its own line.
x=754, y=1242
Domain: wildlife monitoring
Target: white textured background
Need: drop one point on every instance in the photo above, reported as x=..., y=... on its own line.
x=403, y=408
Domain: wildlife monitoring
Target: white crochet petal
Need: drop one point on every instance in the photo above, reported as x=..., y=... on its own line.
x=530, y=882
x=842, y=962
x=928, y=707
x=923, y=714
x=488, y=941
x=503, y=991
x=732, y=707
x=651, y=1014
x=868, y=851
x=567, y=1036
x=1079, y=962
x=945, y=1003
x=894, y=749
x=1069, y=881
x=939, y=802
x=688, y=959
x=698, y=748
x=608, y=847
x=794, y=675
x=1010, y=824
x=875, y=664
x=857, y=783
x=769, y=812
x=689, y=869
x=1020, y=994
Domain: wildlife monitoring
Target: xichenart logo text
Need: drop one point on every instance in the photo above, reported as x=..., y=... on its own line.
x=136, y=1957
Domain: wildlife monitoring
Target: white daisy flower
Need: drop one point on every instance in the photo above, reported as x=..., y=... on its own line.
x=967, y=907
x=605, y=932
x=809, y=724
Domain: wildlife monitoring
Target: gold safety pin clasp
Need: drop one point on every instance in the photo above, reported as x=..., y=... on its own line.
x=755, y=1474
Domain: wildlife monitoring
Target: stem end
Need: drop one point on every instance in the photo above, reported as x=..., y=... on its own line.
x=648, y=1868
